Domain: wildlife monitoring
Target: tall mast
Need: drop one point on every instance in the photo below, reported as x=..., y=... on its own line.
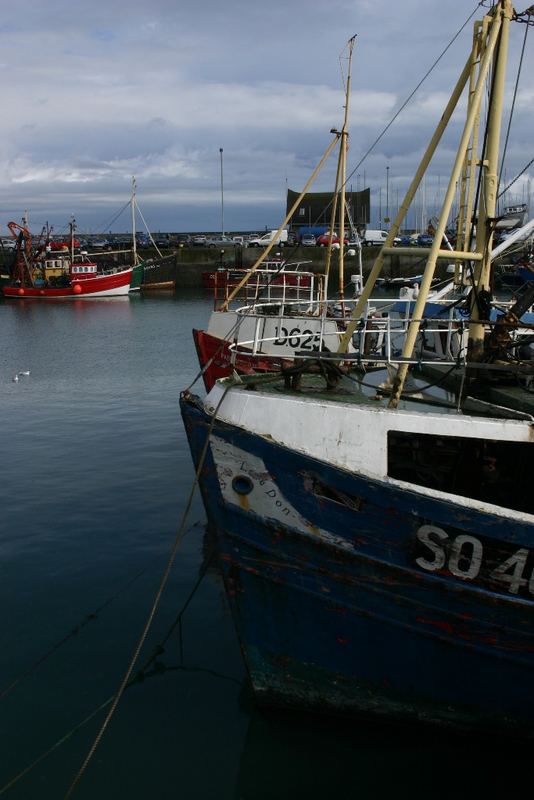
x=490, y=180
x=343, y=156
x=489, y=52
x=134, y=242
x=72, y=229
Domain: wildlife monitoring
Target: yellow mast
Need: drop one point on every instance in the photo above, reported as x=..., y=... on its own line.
x=292, y=210
x=343, y=145
x=490, y=181
x=493, y=32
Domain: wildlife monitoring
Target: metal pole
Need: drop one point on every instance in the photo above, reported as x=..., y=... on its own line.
x=380, y=207
x=222, y=193
x=134, y=240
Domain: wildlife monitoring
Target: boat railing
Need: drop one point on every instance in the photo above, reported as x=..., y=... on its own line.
x=293, y=330
x=266, y=285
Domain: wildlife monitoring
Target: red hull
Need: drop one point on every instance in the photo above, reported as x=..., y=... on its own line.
x=208, y=347
x=112, y=285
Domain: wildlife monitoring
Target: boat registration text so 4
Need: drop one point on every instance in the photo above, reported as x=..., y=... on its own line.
x=471, y=558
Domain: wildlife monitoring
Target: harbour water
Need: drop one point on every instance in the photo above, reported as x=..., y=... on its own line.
x=96, y=473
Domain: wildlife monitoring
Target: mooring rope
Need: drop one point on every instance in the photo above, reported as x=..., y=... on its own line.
x=179, y=536
x=93, y=615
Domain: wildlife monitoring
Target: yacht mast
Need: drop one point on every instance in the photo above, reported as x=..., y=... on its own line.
x=134, y=241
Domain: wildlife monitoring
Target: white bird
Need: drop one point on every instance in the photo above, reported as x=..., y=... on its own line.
x=15, y=379
x=27, y=372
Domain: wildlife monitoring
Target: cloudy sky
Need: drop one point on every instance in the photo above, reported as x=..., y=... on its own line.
x=93, y=94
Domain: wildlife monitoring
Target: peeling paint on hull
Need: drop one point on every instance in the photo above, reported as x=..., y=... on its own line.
x=333, y=612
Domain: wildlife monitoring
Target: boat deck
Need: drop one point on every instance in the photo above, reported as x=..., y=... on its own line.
x=434, y=390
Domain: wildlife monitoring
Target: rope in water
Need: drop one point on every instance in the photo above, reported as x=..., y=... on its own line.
x=139, y=677
x=179, y=536
x=74, y=632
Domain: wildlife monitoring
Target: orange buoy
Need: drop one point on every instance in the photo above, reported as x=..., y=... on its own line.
x=20, y=291
x=77, y=288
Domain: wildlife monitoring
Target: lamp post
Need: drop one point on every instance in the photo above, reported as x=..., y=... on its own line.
x=222, y=193
x=380, y=207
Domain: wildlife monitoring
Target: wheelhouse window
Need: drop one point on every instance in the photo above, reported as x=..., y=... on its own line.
x=482, y=469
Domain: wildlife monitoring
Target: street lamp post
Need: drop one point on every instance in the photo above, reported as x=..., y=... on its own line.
x=380, y=206
x=222, y=193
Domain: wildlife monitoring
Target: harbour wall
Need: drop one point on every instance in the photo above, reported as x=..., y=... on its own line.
x=187, y=265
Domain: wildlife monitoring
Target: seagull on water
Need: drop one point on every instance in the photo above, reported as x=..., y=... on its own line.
x=27, y=372
x=16, y=379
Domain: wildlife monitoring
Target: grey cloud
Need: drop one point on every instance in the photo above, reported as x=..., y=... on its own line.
x=95, y=93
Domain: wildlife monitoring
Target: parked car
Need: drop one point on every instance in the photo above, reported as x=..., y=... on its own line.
x=292, y=239
x=425, y=240
x=123, y=243
x=406, y=241
x=182, y=240
x=308, y=240
x=324, y=238
x=220, y=241
x=199, y=241
x=8, y=244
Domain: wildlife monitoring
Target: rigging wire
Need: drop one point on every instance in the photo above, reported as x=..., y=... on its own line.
x=407, y=101
x=115, y=217
x=516, y=177
x=513, y=104
x=410, y=96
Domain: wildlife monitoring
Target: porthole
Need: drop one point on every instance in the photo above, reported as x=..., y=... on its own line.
x=242, y=484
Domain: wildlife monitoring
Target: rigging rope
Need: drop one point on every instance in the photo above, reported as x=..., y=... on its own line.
x=410, y=96
x=407, y=101
x=516, y=178
x=158, y=669
x=513, y=104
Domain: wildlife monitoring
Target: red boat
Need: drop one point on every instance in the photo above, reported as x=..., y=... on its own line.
x=275, y=272
x=215, y=357
x=47, y=274
x=278, y=286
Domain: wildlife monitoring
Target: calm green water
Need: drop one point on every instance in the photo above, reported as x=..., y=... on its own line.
x=95, y=475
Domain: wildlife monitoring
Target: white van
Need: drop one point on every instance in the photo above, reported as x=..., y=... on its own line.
x=267, y=238
x=374, y=237
x=378, y=237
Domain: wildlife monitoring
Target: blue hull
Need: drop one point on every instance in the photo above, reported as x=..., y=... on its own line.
x=342, y=618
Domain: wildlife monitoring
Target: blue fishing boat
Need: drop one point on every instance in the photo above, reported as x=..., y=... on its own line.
x=374, y=511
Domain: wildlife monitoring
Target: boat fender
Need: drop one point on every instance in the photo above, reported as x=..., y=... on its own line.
x=77, y=288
